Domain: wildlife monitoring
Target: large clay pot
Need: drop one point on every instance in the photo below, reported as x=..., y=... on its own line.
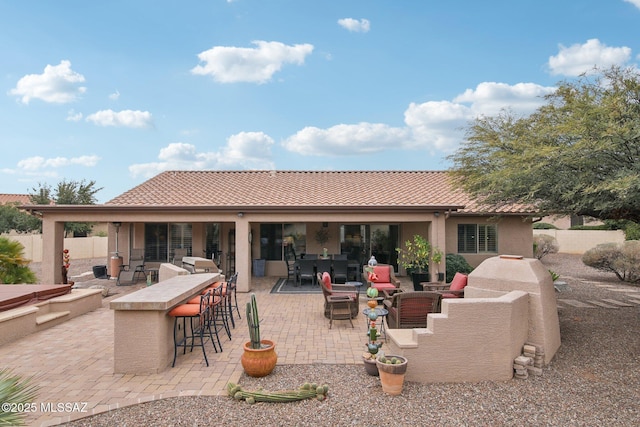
x=392, y=376
x=259, y=362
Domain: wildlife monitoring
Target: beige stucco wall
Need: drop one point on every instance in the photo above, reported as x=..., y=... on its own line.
x=508, y=302
x=514, y=236
x=79, y=247
x=579, y=241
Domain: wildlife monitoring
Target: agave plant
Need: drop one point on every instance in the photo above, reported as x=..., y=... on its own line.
x=17, y=391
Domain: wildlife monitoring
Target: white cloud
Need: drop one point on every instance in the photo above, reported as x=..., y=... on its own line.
x=432, y=125
x=58, y=84
x=72, y=116
x=255, y=65
x=636, y=3
x=437, y=125
x=124, y=118
x=354, y=25
x=114, y=96
x=38, y=163
x=579, y=58
x=489, y=98
x=245, y=150
x=346, y=139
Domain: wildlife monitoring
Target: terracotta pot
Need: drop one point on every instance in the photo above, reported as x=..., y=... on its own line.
x=392, y=376
x=259, y=362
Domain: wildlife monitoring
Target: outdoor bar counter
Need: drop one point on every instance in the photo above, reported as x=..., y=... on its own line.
x=143, y=332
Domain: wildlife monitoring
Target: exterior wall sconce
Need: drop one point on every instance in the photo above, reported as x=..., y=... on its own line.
x=436, y=214
x=240, y=214
x=325, y=224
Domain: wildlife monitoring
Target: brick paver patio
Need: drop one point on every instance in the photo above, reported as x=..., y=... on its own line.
x=73, y=362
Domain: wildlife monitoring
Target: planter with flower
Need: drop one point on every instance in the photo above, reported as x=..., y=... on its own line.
x=66, y=263
x=414, y=258
x=436, y=257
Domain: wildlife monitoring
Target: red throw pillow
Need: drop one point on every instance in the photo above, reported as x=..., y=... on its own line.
x=326, y=279
x=383, y=273
x=459, y=282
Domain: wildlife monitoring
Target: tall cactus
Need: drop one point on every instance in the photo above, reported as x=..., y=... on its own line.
x=254, y=322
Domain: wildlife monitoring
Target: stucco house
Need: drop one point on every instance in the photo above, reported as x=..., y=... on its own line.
x=237, y=217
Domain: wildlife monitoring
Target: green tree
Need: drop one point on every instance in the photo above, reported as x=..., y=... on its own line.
x=12, y=218
x=68, y=193
x=14, y=268
x=577, y=154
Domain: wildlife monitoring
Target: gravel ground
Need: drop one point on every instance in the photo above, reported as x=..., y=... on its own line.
x=593, y=380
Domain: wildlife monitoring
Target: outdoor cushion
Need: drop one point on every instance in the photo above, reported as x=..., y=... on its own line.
x=383, y=274
x=326, y=279
x=380, y=286
x=459, y=282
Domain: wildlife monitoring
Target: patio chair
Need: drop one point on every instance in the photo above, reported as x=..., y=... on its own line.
x=306, y=271
x=130, y=274
x=455, y=289
x=323, y=265
x=340, y=270
x=382, y=278
x=341, y=302
x=410, y=309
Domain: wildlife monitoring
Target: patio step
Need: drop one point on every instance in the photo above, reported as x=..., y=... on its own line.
x=51, y=316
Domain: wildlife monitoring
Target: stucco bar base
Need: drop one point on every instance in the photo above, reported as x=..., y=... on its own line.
x=143, y=332
x=508, y=301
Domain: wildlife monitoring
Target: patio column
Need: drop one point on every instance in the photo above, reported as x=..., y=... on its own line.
x=52, y=247
x=437, y=237
x=243, y=254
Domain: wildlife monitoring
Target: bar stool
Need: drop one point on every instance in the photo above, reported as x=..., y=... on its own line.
x=232, y=298
x=216, y=312
x=192, y=312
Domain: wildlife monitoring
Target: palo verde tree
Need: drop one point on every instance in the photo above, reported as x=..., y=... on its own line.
x=68, y=193
x=578, y=154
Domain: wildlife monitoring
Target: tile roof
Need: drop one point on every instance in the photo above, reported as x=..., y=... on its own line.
x=14, y=198
x=269, y=189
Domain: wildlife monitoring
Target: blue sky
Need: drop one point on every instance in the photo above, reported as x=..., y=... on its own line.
x=119, y=91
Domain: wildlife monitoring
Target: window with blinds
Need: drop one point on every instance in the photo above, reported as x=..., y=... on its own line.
x=477, y=238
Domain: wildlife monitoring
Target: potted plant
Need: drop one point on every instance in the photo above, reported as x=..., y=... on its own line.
x=415, y=259
x=436, y=257
x=392, y=369
x=259, y=357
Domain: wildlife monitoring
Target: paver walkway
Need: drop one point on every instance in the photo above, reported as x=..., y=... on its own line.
x=73, y=362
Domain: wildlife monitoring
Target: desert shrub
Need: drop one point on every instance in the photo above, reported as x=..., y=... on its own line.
x=543, y=244
x=456, y=264
x=621, y=259
x=544, y=226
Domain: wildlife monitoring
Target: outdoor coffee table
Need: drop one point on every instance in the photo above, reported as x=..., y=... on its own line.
x=382, y=314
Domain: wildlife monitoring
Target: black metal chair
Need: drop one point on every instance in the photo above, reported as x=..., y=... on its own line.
x=229, y=292
x=340, y=271
x=306, y=271
x=194, y=311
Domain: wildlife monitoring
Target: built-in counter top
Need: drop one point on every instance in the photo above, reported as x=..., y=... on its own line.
x=167, y=294
x=143, y=331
